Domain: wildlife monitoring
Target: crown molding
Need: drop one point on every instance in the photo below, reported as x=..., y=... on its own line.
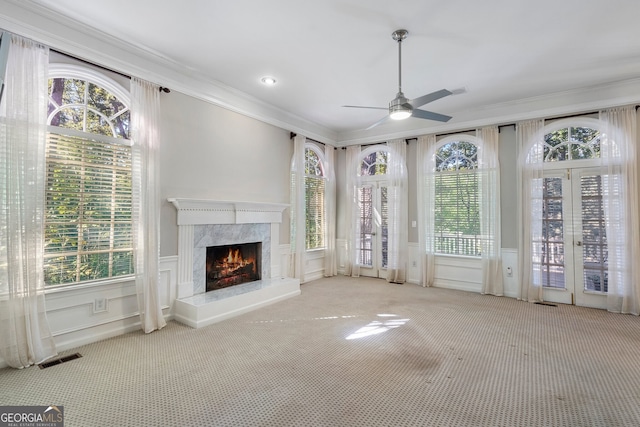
x=568, y=102
x=78, y=39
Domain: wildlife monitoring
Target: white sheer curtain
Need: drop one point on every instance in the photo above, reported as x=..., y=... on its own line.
x=397, y=200
x=145, y=120
x=489, y=194
x=25, y=337
x=530, y=182
x=426, y=168
x=618, y=153
x=330, y=263
x=297, y=195
x=352, y=266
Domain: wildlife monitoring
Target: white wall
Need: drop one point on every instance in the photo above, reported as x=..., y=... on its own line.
x=212, y=153
x=507, y=145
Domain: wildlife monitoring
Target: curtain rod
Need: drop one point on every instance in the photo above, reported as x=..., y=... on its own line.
x=379, y=143
x=568, y=116
x=91, y=63
x=161, y=88
x=293, y=135
x=454, y=133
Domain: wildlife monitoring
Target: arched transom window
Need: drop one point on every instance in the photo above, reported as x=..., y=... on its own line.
x=572, y=143
x=374, y=164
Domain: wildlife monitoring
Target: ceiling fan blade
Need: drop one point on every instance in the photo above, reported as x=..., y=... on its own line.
x=430, y=97
x=422, y=114
x=379, y=122
x=360, y=106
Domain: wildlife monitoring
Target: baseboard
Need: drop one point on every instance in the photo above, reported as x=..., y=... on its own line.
x=96, y=333
x=458, y=285
x=313, y=275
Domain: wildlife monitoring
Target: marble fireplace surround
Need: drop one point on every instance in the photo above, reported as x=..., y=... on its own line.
x=227, y=234
x=203, y=223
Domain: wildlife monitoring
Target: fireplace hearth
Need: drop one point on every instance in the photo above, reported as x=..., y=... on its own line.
x=229, y=265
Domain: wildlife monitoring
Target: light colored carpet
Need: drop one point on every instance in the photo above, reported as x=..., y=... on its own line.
x=445, y=358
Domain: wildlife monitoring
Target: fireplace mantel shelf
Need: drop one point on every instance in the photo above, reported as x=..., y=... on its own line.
x=201, y=211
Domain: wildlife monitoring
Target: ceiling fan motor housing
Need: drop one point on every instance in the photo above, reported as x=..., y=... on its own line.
x=399, y=107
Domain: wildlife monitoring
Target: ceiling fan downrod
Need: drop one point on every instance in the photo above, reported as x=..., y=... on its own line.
x=399, y=36
x=399, y=107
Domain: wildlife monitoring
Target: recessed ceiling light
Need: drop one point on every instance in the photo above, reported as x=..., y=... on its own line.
x=267, y=80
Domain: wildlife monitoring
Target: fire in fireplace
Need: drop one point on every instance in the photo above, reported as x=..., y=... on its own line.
x=230, y=265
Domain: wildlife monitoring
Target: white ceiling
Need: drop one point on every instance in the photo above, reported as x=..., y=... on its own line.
x=514, y=58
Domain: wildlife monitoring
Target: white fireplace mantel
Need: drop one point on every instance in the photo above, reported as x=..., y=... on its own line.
x=200, y=211
x=204, y=308
x=196, y=307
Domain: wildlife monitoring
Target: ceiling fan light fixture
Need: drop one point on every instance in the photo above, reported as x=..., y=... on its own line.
x=400, y=114
x=399, y=108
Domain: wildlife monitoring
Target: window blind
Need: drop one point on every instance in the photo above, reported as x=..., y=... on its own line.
x=314, y=209
x=457, y=213
x=88, y=222
x=365, y=202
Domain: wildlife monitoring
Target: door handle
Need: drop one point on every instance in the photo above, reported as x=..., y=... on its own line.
x=373, y=234
x=578, y=243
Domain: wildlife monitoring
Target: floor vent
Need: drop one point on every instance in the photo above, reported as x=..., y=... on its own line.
x=60, y=360
x=550, y=304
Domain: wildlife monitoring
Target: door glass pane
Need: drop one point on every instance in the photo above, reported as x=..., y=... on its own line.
x=594, y=238
x=384, y=225
x=365, y=202
x=552, y=262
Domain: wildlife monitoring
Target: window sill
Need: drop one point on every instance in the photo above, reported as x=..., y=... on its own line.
x=310, y=251
x=554, y=289
x=470, y=257
x=55, y=289
x=596, y=293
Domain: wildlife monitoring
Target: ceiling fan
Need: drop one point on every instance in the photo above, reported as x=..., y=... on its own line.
x=400, y=107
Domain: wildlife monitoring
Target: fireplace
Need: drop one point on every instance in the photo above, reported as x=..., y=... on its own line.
x=229, y=265
x=203, y=224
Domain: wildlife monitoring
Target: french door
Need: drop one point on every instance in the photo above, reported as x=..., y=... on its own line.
x=573, y=242
x=373, y=229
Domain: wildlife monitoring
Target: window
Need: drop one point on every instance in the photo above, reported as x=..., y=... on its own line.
x=88, y=222
x=567, y=149
x=572, y=143
x=314, y=181
x=457, y=207
x=374, y=164
x=373, y=235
